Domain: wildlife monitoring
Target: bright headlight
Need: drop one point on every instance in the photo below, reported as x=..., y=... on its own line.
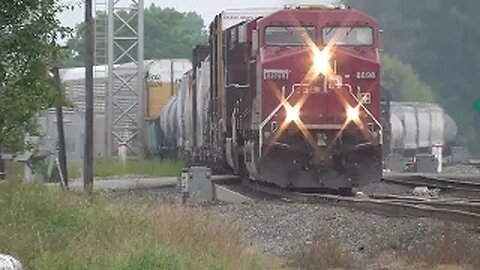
x=293, y=113
x=353, y=113
x=321, y=63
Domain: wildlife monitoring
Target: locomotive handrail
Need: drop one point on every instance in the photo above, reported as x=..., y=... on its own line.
x=350, y=90
x=270, y=116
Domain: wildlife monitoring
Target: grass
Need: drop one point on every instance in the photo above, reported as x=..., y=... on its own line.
x=446, y=248
x=146, y=167
x=323, y=253
x=14, y=170
x=451, y=248
x=114, y=167
x=151, y=167
x=51, y=229
x=109, y=168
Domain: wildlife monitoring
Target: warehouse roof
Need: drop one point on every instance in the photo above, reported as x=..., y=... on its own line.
x=160, y=67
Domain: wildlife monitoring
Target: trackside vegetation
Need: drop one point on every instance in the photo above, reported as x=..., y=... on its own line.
x=142, y=167
x=148, y=167
x=50, y=229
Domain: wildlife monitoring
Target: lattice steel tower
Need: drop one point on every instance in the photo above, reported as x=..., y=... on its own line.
x=125, y=113
x=100, y=55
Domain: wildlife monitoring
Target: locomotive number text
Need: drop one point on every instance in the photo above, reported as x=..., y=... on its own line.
x=276, y=74
x=366, y=75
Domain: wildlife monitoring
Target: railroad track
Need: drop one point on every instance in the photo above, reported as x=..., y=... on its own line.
x=434, y=181
x=472, y=206
x=457, y=211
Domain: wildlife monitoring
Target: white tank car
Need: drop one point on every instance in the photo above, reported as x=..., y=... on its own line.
x=417, y=125
x=408, y=121
x=188, y=114
x=176, y=118
x=168, y=123
x=183, y=110
x=397, y=137
x=203, y=101
x=450, y=128
x=181, y=93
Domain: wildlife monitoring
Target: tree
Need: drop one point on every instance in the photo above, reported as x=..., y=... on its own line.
x=172, y=34
x=440, y=39
x=168, y=34
x=28, y=30
x=404, y=83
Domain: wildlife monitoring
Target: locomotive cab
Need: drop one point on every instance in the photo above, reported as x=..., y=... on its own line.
x=318, y=87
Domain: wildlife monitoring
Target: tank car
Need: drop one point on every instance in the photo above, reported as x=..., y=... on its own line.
x=289, y=97
x=417, y=126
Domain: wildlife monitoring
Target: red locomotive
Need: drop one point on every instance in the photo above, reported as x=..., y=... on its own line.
x=290, y=98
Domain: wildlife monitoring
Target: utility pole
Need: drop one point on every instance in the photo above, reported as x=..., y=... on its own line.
x=89, y=55
x=62, y=156
x=3, y=171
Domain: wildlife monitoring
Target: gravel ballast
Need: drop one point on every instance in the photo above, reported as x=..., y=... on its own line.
x=284, y=229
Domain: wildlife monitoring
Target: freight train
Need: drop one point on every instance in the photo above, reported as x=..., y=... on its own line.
x=288, y=97
x=414, y=130
x=417, y=126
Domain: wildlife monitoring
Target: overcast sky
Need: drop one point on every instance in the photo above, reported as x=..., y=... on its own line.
x=206, y=8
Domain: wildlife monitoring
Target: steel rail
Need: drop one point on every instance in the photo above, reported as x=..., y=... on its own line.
x=434, y=182
x=460, y=206
x=463, y=213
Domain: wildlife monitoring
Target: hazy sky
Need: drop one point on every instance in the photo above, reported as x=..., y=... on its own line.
x=206, y=8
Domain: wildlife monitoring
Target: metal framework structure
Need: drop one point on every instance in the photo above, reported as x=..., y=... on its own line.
x=100, y=21
x=100, y=55
x=125, y=111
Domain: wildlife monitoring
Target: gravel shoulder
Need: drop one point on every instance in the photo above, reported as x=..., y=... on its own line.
x=285, y=229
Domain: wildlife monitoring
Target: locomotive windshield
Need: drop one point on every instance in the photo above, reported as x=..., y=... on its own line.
x=289, y=35
x=353, y=36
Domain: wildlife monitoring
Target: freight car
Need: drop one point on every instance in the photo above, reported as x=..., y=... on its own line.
x=160, y=79
x=417, y=126
x=289, y=97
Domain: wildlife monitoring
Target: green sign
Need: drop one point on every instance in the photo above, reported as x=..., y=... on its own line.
x=476, y=105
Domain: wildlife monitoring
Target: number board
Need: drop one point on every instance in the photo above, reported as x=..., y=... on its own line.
x=366, y=75
x=276, y=74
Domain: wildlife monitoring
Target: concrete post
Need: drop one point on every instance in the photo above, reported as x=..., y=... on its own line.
x=122, y=153
x=437, y=152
